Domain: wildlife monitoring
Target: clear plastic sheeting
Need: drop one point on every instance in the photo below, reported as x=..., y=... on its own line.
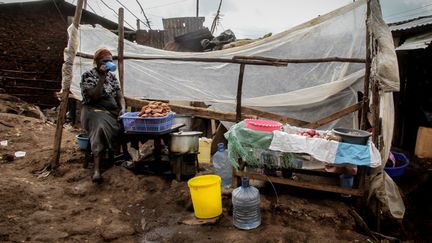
x=69, y=55
x=297, y=90
x=382, y=187
x=384, y=65
x=304, y=91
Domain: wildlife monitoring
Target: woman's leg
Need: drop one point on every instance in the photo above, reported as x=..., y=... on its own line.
x=96, y=171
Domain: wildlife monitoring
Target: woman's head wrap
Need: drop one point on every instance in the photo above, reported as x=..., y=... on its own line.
x=101, y=53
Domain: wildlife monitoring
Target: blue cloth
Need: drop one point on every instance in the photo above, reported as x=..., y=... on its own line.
x=353, y=154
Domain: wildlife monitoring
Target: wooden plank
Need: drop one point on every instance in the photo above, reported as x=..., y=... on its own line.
x=335, y=116
x=30, y=79
x=195, y=111
x=239, y=93
x=20, y=71
x=218, y=138
x=247, y=113
x=64, y=97
x=120, y=49
x=213, y=127
x=302, y=184
x=28, y=89
x=273, y=116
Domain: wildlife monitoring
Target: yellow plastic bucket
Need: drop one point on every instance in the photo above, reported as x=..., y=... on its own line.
x=206, y=196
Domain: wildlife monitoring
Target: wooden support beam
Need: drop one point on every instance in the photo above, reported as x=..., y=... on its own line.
x=310, y=60
x=302, y=184
x=365, y=108
x=239, y=93
x=30, y=79
x=213, y=127
x=195, y=111
x=335, y=116
x=21, y=72
x=120, y=49
x=65, y=95
x=375, y=113
x=273, y=116
x=247, y=113
x=31, y=89
x=196, y=59
x=251, y=60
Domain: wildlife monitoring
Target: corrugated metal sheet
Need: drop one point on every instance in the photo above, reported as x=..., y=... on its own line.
x=410, y=24
x=416, y=42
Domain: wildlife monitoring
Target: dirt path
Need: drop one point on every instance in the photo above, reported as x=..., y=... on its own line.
x=127, y=207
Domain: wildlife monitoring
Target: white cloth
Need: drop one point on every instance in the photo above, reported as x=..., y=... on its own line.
x=331, y=152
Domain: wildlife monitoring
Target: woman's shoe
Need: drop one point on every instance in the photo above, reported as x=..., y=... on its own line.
x=97, y=178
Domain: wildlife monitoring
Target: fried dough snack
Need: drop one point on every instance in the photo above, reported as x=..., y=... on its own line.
x=155, y=109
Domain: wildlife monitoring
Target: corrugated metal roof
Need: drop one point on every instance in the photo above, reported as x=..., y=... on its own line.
x=416, y=42
x=410, y=24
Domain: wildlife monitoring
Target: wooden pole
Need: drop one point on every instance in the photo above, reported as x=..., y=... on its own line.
x=196, y=59
x=334, y=116
x=307, y=60
x=120, y=49
x=255, y=60
x=375, y=114
x=64, y=95
x=239, y=93
x=206, y=113
x=197, y=8
x=367, y=74
x=195, y=111
x=216, y=18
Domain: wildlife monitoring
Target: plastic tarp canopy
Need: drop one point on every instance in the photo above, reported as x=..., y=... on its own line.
x=303, y=91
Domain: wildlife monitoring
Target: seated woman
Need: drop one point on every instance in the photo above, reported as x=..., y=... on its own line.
x=102, y=104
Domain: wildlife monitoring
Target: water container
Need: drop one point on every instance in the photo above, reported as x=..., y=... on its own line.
x=222, y=165
x=246, y=206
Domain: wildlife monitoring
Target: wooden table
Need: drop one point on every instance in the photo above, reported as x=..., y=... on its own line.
x=359, y=189
x=136, y=137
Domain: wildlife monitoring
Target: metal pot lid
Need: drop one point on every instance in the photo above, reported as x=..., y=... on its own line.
x=186, y=133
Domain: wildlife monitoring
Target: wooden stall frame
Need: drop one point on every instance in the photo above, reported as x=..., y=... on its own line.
x=240, y=111
x=244, y=113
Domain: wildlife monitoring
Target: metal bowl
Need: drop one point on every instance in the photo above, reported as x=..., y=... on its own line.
x=353, y=136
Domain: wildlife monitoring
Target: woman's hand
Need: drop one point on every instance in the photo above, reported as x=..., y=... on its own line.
x=122, y=111
x=103, y=70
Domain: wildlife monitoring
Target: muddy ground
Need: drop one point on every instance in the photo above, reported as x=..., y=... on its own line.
x=136, y=207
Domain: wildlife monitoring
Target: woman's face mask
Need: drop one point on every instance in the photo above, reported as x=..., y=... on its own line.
x=106, y=64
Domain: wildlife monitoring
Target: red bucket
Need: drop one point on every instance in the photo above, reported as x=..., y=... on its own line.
x=263, y=125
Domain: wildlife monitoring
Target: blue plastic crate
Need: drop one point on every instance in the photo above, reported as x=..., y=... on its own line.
x=133, y=123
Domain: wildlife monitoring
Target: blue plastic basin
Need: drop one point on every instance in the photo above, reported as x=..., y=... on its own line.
x=397, y=171
x=82, y=140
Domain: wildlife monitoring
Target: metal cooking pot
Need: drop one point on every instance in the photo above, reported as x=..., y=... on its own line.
x=184, y=142
x=185, y=119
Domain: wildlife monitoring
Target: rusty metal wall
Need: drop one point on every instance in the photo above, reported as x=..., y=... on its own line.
x=178, y=26
x=153, y=38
